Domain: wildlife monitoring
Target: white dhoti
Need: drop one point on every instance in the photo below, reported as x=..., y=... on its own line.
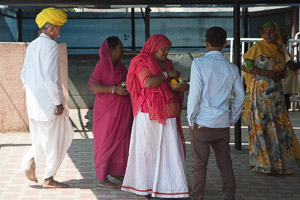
x=156, y=159
x=51, y=138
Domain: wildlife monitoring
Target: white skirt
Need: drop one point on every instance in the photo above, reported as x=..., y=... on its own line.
x=156, y=162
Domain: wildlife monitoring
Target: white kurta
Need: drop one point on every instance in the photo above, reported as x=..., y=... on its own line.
x=51, y=135
x=156, y=161
x=41, y=78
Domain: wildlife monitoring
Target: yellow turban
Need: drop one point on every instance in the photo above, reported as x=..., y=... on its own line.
x=54, y=16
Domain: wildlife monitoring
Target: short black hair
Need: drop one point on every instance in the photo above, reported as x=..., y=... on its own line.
x=112, y=42
x=216, y=36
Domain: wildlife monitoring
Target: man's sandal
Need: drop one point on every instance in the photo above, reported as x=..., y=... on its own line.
x=54, y=184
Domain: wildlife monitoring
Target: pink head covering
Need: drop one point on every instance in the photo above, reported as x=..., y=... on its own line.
x=154, y=43
x=105, y=73
x=159, y=93
x=104, y=64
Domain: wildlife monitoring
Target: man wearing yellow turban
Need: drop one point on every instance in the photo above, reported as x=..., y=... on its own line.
x=50, y=128
x=50, y=20
x=54, y=16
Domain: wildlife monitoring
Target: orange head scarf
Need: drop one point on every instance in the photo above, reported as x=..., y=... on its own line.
x=161, y=93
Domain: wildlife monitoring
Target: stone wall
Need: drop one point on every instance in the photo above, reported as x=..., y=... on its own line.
x=13, y=114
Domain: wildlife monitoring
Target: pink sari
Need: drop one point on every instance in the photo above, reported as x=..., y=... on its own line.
x=112, y=118
x=155, y=98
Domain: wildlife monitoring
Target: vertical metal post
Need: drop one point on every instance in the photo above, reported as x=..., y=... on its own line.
x=147, y=23
x=19, y=25
x=132, y=29
x=298, y=18
x=245, y=23
x=294, y=21
x=237, y=61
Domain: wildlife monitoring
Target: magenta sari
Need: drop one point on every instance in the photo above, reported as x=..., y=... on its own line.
x=112, y=118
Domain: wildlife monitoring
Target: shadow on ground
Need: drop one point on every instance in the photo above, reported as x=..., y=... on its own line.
x=250, y=185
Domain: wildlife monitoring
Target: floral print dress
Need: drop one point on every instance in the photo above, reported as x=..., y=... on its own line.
x=270, y=129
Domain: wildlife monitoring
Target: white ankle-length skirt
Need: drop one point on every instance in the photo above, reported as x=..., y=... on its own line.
x=156, y=162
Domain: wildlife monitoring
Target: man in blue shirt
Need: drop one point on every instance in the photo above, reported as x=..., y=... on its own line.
x=212, y=79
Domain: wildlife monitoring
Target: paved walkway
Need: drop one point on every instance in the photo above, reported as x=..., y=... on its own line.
x=77, y=169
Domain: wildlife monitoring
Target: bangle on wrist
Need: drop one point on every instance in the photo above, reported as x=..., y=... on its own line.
x=166, y=75
x=169, y=73
x=113, y=89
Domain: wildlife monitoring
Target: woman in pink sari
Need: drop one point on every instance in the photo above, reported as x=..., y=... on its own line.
x=112, y=118
x=156, y=154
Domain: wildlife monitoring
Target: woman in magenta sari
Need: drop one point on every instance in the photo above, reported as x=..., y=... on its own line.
x=156, y=163
x=112, y=118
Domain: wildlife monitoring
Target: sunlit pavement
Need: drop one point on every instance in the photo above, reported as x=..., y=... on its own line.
x=77, y=169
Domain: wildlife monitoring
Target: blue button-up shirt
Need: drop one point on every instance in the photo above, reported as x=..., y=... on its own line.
x=212, y=79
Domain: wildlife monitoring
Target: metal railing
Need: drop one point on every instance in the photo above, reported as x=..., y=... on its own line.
x=293, y=46
x=294, y=49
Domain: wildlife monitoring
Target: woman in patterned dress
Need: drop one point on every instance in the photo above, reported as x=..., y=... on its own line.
x=273, y=146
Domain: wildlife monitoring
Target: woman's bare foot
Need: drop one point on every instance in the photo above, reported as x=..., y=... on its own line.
x=51, y=183
x=120, y=178
x=30, y=171
x=107, y=184
x=141, y=197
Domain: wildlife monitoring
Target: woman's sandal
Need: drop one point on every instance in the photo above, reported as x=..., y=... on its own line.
x=108, y=184
x=120, y=178
x=141, y=197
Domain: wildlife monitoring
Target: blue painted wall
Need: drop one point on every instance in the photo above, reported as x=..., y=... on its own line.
x=8, y=32
x=84, y=33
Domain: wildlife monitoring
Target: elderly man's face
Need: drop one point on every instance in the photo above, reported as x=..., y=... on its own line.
x=55, y=32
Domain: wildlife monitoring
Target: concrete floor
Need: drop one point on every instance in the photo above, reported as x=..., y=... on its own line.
x=77, y=169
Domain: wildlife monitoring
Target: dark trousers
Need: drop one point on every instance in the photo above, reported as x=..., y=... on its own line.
x=201, y=139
